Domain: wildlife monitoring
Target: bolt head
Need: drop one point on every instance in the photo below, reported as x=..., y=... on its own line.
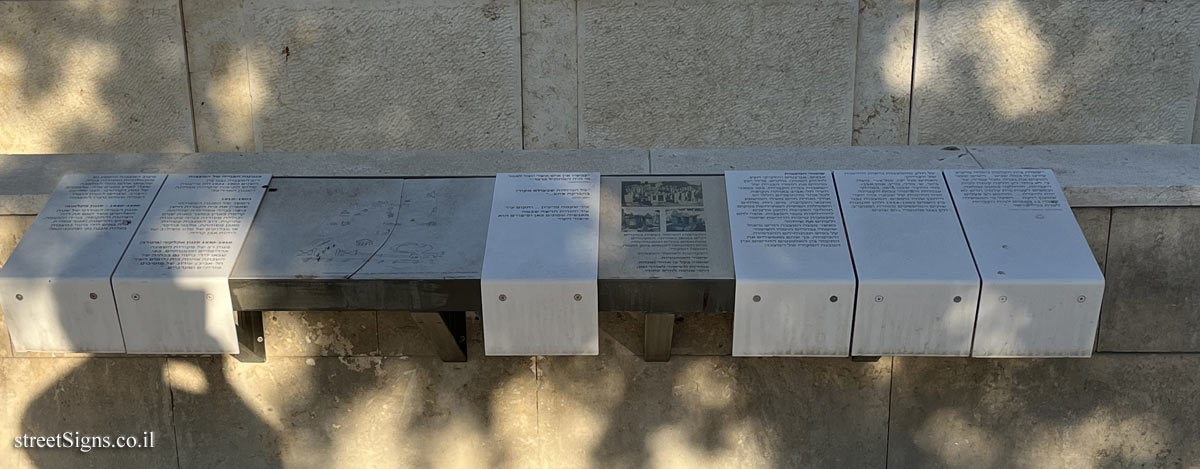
x=757, y=298
x=20, y=297
x=93, y=296
x=578, y=297
x=879, y=298
x=503, y=297
x=833, y=299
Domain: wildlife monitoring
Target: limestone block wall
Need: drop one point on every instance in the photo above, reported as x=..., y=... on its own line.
x=321, y=75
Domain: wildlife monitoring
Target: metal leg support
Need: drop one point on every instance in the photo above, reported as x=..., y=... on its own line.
x=660, y=327
x=447, y=331
x=251, y=340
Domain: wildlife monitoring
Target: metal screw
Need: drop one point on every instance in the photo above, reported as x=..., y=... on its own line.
x=20, y=297
x=757, y=298
x=1003, y=299
x=999, y=272
x=259, y=339
x=135, y=296
x=578, y=297
x=958, y=299
x=93, y=296
x=503, y=297
x=1081, y=299
x=833, y=299
x=879, y=298
x=208, y=296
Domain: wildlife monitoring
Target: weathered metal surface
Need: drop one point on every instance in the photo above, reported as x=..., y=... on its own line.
x=795, y=280
x=55, y=287
x=1042, y=288
x=918, y=288
x=539, y=271
x=172, y=285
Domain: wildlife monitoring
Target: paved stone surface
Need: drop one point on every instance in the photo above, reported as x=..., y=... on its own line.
x=717, y=161
x=355, y=412
x=716, y=73
x=549, y=74
x=93, y=396
x=883, y=71
x=613, y=411
x=1150, y=298
x=1094, y=222
x=11, y=230
x=1106, y=411
x=219, y=74
x=375, y=75
x=27, y=180
x=79, y=76
x=1109, y=175
x=1068, y=72
x=320, y=333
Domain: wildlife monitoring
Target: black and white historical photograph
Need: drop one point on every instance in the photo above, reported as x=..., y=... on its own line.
x=641, y=221
x=685, y=220
x=661, y=194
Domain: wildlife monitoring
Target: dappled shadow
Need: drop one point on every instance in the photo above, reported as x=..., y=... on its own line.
x=79, y=77
x=1106, y=411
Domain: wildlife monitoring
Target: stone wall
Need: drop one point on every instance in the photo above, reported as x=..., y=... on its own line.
x=319, y=75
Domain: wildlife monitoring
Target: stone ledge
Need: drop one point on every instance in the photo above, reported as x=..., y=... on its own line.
x=1091, y=175
x=26, y=181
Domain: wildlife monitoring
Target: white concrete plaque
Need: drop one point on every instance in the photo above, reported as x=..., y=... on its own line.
x=172, y=285
x=918, y=288
x=317, y=228
x=55, y=287
x=440, y=233
x=1041, y=285
x=667, y=227
x=540, y=265
x=795, y=281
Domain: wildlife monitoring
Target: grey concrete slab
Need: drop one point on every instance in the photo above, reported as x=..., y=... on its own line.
x=321, y=333
x=883, y=71
x=1109, y=175
x=358, y=411
x=619, y=411
x=1068, y=72
x=717, y=161
x=716, y=73
x=549, y=74
x=378, y=75
x=1106, y=411
x=96, y=397
x=80, y=76
x=1095, y=223
x=27, y=180
x=1150, y=301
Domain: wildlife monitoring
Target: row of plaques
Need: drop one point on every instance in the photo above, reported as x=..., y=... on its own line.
x=954, y=263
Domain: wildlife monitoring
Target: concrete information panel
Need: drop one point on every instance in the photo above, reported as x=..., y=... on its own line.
x=540, y=265
x=664, y=227
x=795, y=280
x=440, y=234
x=172, y=285
x=55, y=287
x=319, y=228
x=1041, y=285
x=918, y=288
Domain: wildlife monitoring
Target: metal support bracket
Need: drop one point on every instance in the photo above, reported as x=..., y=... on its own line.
x=447, y=331
x=660, y=329
x=252, y=345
